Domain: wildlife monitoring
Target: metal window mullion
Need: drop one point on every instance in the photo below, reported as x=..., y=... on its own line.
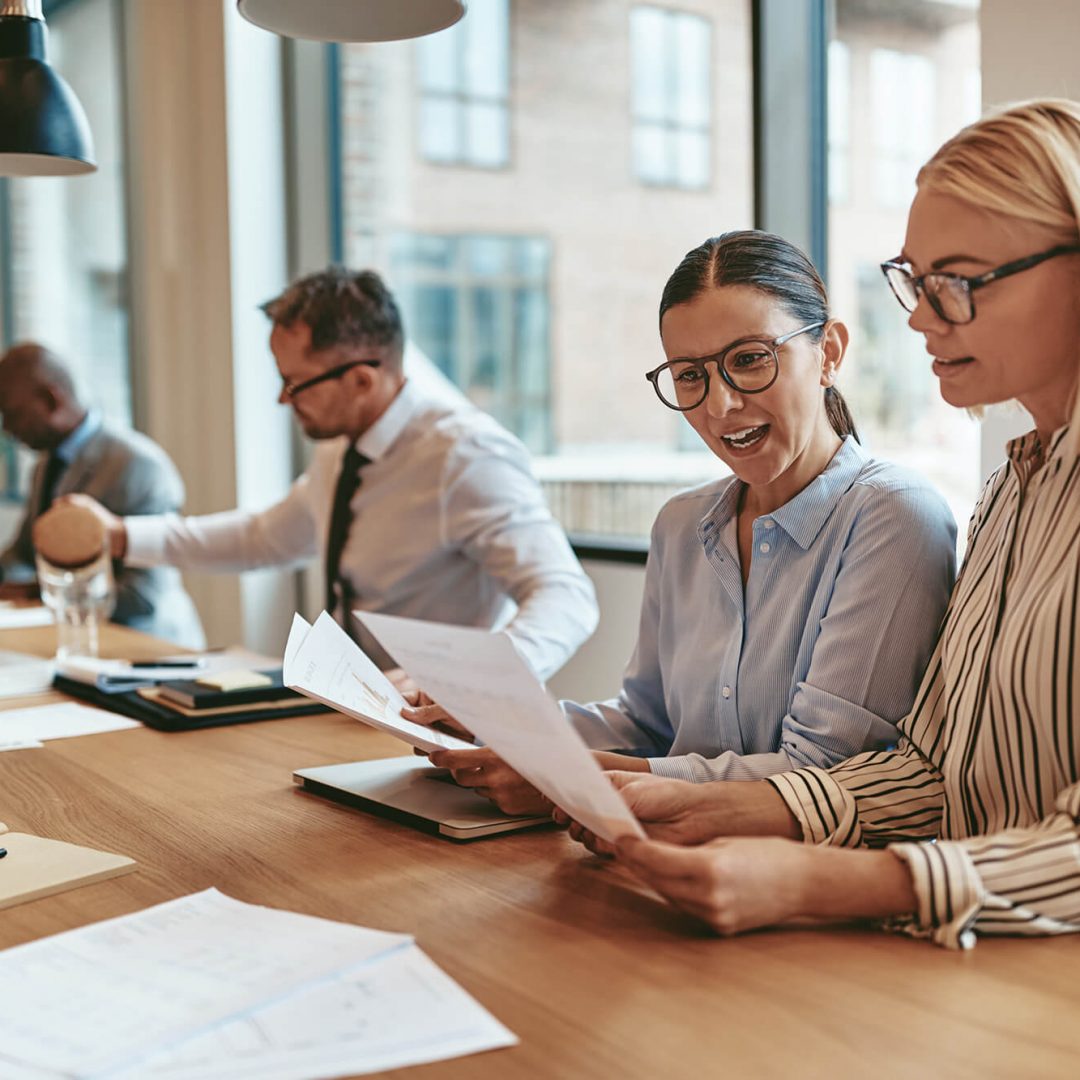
x=791, y=126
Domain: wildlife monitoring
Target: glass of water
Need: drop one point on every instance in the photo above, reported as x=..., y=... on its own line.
x=75, y=578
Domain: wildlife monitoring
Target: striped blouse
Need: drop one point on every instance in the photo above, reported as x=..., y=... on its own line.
x=981, y=798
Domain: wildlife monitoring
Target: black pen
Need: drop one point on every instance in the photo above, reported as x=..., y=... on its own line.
x=197, y=661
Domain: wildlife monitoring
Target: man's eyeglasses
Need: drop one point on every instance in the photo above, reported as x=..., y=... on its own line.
x=950, y=295
x=290, y=389
x=748, y=365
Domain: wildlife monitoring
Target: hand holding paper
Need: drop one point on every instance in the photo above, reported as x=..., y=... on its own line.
x=480, y=679
x=324, y=663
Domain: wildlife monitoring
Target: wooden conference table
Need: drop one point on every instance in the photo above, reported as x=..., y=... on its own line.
x=596, y=979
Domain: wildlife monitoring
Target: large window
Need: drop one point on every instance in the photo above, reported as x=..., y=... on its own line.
x=464, y=80
x=535, y=287
x=903, y=103
x=671, y=70
x=902, y=78
x=64, y=273
x=478, y=308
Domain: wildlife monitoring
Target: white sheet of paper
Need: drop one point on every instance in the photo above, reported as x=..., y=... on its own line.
x=101, y=997
x=324, y=663
x=480, y=679
x=16, y=617
x=398, y=1011
x=19, y=744
x=21, y=673
x=63, y=720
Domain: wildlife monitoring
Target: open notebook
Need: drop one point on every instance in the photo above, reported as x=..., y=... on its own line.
x=34, y=867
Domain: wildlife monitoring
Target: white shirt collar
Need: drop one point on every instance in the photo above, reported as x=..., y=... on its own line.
x=382, y=435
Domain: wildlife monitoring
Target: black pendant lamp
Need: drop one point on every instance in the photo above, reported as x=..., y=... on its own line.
x=43, y=129
x=352, y=20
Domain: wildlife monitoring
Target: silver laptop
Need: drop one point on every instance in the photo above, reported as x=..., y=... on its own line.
x=412, y=791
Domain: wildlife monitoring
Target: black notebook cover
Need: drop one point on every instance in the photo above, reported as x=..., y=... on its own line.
x=161, y=717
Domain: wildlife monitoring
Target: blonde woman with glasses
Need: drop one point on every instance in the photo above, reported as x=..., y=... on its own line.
x=972, y=824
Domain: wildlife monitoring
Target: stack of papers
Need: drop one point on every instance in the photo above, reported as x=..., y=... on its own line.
x=22, y=674
x=209, y=988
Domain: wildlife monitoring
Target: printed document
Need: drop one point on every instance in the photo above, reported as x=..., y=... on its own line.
x=399, y=1010
x=479, y=679
x=101, y=997
x=209, y=988
x=324, y=663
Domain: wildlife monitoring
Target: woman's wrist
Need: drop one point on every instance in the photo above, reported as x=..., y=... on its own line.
x=611, y=759
x=855, y=883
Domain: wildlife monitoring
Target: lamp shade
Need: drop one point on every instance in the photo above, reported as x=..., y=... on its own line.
x=352, y=20
x=43, y=129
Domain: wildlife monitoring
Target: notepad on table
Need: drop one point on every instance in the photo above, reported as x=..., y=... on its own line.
x=226, y=688
x=35, y=866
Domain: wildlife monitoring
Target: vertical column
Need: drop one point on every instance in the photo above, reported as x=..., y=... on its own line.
x=790, y=140
x=207, y=235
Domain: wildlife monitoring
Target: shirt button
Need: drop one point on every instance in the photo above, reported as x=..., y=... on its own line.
x=726, y=691
x=770, y=524
x=765, y=549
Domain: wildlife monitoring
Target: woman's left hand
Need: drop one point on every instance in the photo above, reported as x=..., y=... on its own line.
x=488, y=775
x=738, y=883
x=733, y=884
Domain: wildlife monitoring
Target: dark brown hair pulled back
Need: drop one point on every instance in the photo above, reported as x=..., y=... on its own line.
x=770, y=263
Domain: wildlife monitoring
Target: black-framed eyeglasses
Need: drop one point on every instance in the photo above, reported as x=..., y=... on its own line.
x=749, y=365
x=950, y=295
x=290, y=389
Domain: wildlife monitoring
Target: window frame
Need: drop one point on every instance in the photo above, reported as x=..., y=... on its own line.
x=462, y=100
x=669, y=125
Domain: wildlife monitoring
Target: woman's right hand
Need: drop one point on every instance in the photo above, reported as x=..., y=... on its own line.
x=680, y=812
x=675, y=811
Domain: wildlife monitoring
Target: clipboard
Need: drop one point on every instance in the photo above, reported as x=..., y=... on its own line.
x=35, y=867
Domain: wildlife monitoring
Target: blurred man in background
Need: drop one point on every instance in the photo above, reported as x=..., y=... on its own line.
x=79, y=452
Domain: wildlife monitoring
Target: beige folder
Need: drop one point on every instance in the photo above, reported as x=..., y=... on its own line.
x=36, y=867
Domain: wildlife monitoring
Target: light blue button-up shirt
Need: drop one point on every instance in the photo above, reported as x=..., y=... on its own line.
x=88, y=427
x=816, y=659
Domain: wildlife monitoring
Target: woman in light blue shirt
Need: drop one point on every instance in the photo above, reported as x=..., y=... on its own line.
x=790, y=608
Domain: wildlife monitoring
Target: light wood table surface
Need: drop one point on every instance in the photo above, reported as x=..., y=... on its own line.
x=597, y=979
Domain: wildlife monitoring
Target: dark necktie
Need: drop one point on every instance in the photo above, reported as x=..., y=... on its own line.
x=340, y=521
x=54, y=468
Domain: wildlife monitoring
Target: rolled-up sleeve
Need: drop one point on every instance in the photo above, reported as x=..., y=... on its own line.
x=1019, y=881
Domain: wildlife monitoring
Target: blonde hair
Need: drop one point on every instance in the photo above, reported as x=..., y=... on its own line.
x=1022, y=162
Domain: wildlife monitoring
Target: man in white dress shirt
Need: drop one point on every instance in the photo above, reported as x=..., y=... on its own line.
x=420, y=505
